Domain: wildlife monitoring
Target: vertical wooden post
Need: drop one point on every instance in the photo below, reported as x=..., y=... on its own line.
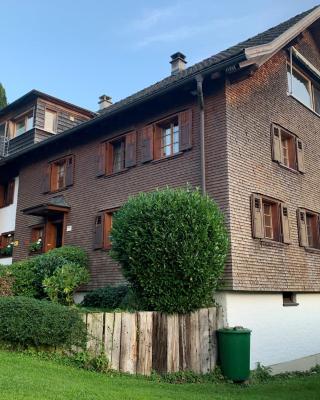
x=194, y=342
x=108, y=335
x=95, y=332
x=144, y=336
x=172, y=343
x=204, y=340
x=128, y=348
x=213, y=348
x=116, y=342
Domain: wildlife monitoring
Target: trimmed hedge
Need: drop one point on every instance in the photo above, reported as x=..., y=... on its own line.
x=30, y=322
x=172, y=245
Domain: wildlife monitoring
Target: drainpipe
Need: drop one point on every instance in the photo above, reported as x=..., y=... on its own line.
x=199, y=80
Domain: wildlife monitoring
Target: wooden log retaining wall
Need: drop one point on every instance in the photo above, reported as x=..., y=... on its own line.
x=144, y=341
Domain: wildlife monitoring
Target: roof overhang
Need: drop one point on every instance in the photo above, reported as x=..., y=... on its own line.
x=45, y=210
x=260, y=54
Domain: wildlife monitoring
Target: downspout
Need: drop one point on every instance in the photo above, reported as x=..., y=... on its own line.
x=199, y=80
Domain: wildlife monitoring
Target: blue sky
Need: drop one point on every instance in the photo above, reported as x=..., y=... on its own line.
x=78, y=50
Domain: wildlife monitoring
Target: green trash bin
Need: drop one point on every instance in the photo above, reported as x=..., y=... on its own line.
x=234, y=353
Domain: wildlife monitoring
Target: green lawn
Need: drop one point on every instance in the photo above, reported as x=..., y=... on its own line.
x=25, y=377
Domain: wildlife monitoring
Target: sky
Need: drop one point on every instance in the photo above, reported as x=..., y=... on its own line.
x=78, y=50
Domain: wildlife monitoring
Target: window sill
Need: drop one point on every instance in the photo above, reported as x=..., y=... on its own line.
x=290, y=304
x=312, y=250
x=304, y=105
x=272, y=243
x=59, y=190
x=295, y=171
x=116, y=173
x=167, y=158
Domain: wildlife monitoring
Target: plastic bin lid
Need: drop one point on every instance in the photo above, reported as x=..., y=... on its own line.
x=235, y=329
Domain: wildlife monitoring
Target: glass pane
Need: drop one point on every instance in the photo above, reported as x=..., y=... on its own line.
x=117, y=157
x=317, y=100
x=20, y=127
x=2, y=129
x=300, y=87
x=176, y=139
x=29, y=122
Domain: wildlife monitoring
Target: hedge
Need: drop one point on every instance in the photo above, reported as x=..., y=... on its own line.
x=30, y=322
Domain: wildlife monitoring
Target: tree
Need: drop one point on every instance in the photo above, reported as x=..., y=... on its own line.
x=3, y=97
x=172, y=245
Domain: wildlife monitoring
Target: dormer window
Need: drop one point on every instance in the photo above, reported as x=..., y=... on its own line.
x=23, y=123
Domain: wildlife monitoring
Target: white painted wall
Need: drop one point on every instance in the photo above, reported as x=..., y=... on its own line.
x=8, y=218
x=279, y=334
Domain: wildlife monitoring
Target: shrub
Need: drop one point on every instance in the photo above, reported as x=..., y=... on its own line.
x=172, y=246
x=30, y=322
x=6, y=286
x=110, y=297
x=29, y=274
x=61, y=285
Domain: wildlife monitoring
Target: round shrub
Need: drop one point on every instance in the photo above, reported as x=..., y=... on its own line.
x=109, y=297
x=23, y=277
x=30, y=322
x=172, y=246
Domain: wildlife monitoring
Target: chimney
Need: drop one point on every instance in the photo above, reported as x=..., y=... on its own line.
x=104, y=102
x=178, y=62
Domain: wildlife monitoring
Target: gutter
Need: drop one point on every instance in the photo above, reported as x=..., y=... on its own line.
x=199, y=80
x=180, y=82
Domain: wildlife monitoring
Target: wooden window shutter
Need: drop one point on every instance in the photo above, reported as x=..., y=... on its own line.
x=257, y=216
x=285, y=223
x=10, y=193
x=101, y=160
x=10, y=129
x=2, y=199
x=276, y=143
x=131, y=150
x=69, y=170
x=157, y=142
x=107, y=229
x=185, y=130
x=98, y=231
x=302, y=225
x=147, y=143
x=109, y=158
x=300, y=156
x=46, y=180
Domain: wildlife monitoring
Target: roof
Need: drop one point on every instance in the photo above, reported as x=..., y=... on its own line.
x=34, y=94
x=276, y=36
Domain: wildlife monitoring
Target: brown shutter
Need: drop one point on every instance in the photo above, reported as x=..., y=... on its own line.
x=147, y=143
x=107, y=229
x=46, y=180
x=285, y=223
x=157, y=142
x=302, y=225
x=2, y=195
x=131, y=150
x=109, y=158
x=98, y=231
x=10, y=192
x=69, y=170
x=185, y=130
x=101, y=160
x=257, y=216
x=300, y=155
x=276, y=143
x=10, y=130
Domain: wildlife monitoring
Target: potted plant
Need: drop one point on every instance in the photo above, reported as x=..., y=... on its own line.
x=35, y=247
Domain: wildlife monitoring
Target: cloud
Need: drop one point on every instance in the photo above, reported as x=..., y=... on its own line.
x=187, y=31
x=154, y=17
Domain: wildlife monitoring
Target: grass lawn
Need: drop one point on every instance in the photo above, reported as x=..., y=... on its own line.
x=28, y=378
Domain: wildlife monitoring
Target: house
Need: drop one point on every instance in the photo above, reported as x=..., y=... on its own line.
x=31, y=119
x=244, y=126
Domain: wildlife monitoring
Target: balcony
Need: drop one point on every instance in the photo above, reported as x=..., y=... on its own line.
x=25, y=140
x=4, y=146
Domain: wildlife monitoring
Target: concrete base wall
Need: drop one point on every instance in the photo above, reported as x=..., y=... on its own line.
x=279, y=334
x=6, y=261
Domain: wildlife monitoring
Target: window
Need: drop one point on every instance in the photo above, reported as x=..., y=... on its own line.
x=37, y=239
x=7, y=193
x=50, y=121
x=6, y=244
x=117, y=155
x=304, y=88
x=24, y=123
x=270, y=219
x=287, y=149
x=289, y=299
x=102, y=231
x=308, y=224
x=167, y=137
x=59, y=175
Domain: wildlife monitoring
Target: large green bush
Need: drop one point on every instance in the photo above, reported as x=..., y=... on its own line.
x=172, y=246
x=30, y=322
x=29, y=275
